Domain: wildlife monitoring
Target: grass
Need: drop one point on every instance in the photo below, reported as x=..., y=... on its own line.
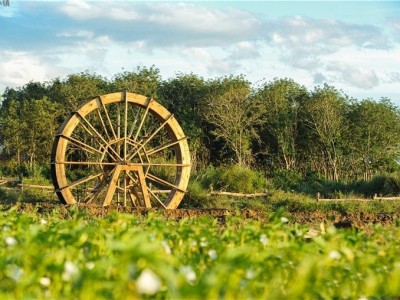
x=123, y=256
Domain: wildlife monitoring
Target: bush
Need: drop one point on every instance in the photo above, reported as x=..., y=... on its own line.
x=287, y=179
x=197, y=197
x=242, y=180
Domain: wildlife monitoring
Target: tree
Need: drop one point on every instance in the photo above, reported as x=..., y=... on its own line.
x=184, y=96
x=30, y=91
x=11, y=131
x=233, y=114
x=39, y=117
x=76, y=89
x=374, y=135
x=325, y=117
x=144, y=81
x=280, y=99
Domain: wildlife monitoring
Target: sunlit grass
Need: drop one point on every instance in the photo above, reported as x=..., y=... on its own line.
x=122, y=256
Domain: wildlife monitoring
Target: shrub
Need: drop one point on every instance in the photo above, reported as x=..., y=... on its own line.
x=197, y=197
x=243, y=180
x=287, y=179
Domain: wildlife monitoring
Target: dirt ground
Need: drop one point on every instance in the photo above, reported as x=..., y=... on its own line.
x=339, y=220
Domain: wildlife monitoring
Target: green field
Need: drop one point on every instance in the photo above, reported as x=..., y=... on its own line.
x=76, y=255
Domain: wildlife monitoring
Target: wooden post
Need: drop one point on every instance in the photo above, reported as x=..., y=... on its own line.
x=318, y=196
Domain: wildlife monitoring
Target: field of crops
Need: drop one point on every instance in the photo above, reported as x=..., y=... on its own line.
x=123, y=256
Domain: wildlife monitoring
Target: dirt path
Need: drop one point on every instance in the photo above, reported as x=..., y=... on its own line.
x=339, y=220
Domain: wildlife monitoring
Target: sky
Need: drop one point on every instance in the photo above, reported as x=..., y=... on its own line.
x=353, y=46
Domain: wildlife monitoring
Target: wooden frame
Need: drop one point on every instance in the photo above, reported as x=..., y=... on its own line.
x=118, y=140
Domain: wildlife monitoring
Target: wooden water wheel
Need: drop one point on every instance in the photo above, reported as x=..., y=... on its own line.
x=121, y=148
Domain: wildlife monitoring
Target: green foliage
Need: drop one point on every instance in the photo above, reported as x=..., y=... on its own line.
x=26, y=195
x=281, y=100
x=198, y=197
x=387, y=185
x=129, y=257
x=344, y=143
x=233, y=115
x=241, y=179
x=233, y=178
x=184, y=96
x=144, y=81
x=287, y=179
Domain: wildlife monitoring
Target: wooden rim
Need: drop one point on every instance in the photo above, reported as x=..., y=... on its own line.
x=121, y=146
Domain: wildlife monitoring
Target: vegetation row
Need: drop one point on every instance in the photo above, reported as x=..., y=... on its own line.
x=302, y=140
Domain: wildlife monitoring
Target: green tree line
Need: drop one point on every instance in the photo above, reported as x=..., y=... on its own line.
x=278, y=126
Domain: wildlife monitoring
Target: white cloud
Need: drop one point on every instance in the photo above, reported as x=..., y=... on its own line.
x=396, y=24
x=329, y=34
x=245, y=50
x=394, y=77
x=355, y=76
x=200, y=19
x=304, y=41
x=80, y=9
x=21, y=67
x=77, y=34
x=166, y=24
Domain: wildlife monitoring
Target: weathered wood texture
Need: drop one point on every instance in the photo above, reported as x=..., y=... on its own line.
x=244, y=195
x=124, y=127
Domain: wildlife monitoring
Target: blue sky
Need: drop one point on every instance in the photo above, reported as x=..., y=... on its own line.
x=354, y=46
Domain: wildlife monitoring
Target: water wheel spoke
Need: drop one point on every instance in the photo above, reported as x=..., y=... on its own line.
x=135, y=119
x=87, y=163
x=85, y=147
x=155, y=196
x=163, y=147
x=107, y=116
x=161, y=191
x=95, y=192
x=99, y=136
x=151, y=136
x=163, y=164
x=80, y=181
x=138, y=184
x=103, y=124
x=142, y=120
x=163, y=182
x=125, y=123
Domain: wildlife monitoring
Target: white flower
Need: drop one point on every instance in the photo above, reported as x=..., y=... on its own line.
x=264, y=239
x=203, y=242
x=284, y=220
x=43, y=221
x=152, y=236
x=212, y=254
x=70, y=271
x=10, y=241
x=363, y=298
x=167, y=249
x=311, y=234
x=148, y=282
x=193, y=244
x=14, y=272
x=90, y=265
x=334, y=255
x=190, y=275
x=45, y=281
x=250, y=274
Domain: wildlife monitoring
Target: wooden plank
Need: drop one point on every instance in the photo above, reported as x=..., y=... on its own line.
x=44, y=187
x=345, y=200
x=386, y=198
x=240, y=194
x=361, y=199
